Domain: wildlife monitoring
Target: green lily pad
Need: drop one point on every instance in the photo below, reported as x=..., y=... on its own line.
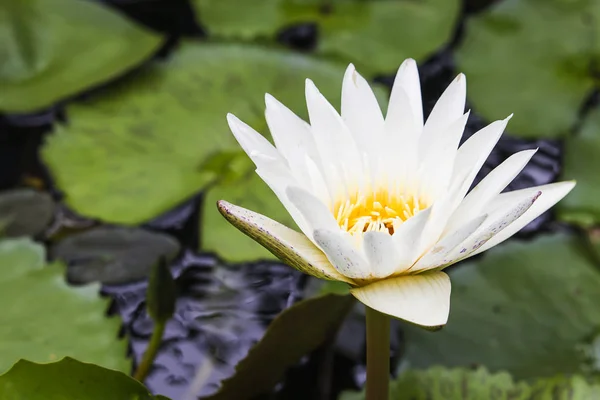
x=142, y=148
x=44, y=319
x=580, y=162
x=525, y=307
x=25, y=212
x=295, y=332
x=440, y=383
x=532, y=58
x=377, y=35
x=113, y=255
x=53, y=49
x=69, y=379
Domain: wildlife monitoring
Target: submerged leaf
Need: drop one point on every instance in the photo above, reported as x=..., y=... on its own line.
x=113, y=255
x=53, y=49
x=25, y=212
x=45, y=319
x=69, y=379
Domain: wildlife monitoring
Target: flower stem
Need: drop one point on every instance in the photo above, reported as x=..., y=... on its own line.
x=144, y=368
x=378, y=355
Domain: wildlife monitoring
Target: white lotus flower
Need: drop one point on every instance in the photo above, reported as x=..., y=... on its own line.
x=381, y=201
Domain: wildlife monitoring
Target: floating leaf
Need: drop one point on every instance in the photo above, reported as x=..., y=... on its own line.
x=375, y=35
x=142, y=148
x=440, y=383
x=524, y=307
x=69, y=379
x=44, y=319
x=581, y=162
x=532, y=58
x=25, y=212
x=53, y=49
x=295, y=332
x=113, y=255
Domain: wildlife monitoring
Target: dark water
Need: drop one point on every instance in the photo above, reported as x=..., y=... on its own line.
x=224, y=309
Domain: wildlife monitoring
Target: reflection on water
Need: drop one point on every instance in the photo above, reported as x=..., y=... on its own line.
x=221, y=312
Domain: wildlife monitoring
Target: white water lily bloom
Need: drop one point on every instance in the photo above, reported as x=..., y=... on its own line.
x=382, y=201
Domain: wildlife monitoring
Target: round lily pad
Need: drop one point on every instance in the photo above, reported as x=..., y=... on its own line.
x=527, y=308
x=53, y=49
x=375, y=35
x=531, y=58
x=25, y=212
x=581, y=163
x=113, y=255
x=69, y=379
x=140, y=149
x=45, y=319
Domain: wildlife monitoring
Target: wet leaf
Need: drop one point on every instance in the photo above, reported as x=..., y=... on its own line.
x=69, y=379
x=44, y=319
x=532, y=58
x=373, y=35
x=142, y=148
x=440, y=383
x=524, y=307
x=295, y=332
x=113, y=255
x=25, y=212
x=53, y=49
x=580, y=162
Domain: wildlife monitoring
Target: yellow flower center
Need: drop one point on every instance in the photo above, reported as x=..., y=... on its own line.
x=376, y=211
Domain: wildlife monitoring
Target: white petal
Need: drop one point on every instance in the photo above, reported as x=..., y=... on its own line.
x=292, y=136
x=312, y=209
x=250, y=140
x=401, y=140
x=339, y=248
x=361, y=112
x=291, y=247
x=439, y=254
x=497, y=221
x=422, y=299
x=407, y=84
x=317, y=181
x=441, y=211
x=449, y=107
x=381, y=253
x=435, y=169
x=489, y=187
x=408, y=237
x=332, y=137
x=278, y=179
x=473, y=153
x=551, y=194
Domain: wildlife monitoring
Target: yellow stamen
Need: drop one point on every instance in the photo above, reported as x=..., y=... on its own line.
x=376, y=211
